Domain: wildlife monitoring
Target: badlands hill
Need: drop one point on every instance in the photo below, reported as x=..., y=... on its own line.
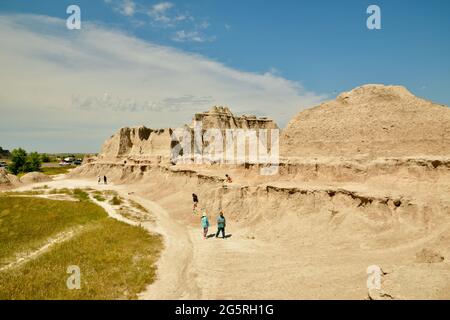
x=368, y=122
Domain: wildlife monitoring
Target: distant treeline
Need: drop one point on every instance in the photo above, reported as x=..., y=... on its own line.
x=4, y=153
x=48, y=157
x=23, y=162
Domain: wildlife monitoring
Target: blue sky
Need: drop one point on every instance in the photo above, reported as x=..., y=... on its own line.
x=323, y=47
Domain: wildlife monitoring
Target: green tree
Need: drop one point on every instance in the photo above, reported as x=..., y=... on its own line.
x=22, y=162
x=34, y=162
x=45, y=158
x=18, y=161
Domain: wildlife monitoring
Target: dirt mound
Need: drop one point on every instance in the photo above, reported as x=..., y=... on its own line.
x=7, y=180
x=35, y=177
x=4, y=179
x=369, y=122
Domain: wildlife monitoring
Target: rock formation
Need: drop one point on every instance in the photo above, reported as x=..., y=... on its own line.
x=219, y=117
x=144, y=144
x=139, y=143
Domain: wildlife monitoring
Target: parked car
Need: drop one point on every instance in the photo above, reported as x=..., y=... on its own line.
x=77, y=162
x=64, y=163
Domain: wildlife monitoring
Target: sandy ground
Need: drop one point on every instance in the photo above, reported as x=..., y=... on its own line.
x=300, y=265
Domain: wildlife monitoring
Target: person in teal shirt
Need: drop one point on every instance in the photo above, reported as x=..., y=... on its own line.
x=205, y=225
x=221, y=223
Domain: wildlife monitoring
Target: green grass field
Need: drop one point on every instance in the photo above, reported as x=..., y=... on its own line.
x=116, y=260
x=51, y=171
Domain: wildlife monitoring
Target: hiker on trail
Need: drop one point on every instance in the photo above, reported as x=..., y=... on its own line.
x=105, y=180
x=195, y=200
x=205, y=225
x=221, y=223
x=99, y=179
x=228, y=178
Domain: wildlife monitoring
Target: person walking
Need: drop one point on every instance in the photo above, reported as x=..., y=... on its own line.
x=221, y=224
x=105, y=180
x=195, y=200
x=205, y=225
x=99, y=179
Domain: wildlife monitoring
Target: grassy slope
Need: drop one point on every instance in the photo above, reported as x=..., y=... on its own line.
x=25, y=223
x=116, y=260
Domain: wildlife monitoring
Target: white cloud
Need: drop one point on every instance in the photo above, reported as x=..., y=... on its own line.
x=191, y=36
x=273, y=71
x=159, y=13
x=54, y=82
x=162, y=7
x=124, y=7
x=182, y=17
x=128, y=7
x=204, y=25
x=163, y=15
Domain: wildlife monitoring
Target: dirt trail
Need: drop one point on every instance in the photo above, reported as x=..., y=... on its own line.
x=25, y=257
x=176, y=280
x=190, y=267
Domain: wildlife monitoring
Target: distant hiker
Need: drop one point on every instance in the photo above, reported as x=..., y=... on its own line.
x=228, y=178
x=105, y=180
x=221, y=224
x=205, y=225
x=195, y=200
x=99, y=179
